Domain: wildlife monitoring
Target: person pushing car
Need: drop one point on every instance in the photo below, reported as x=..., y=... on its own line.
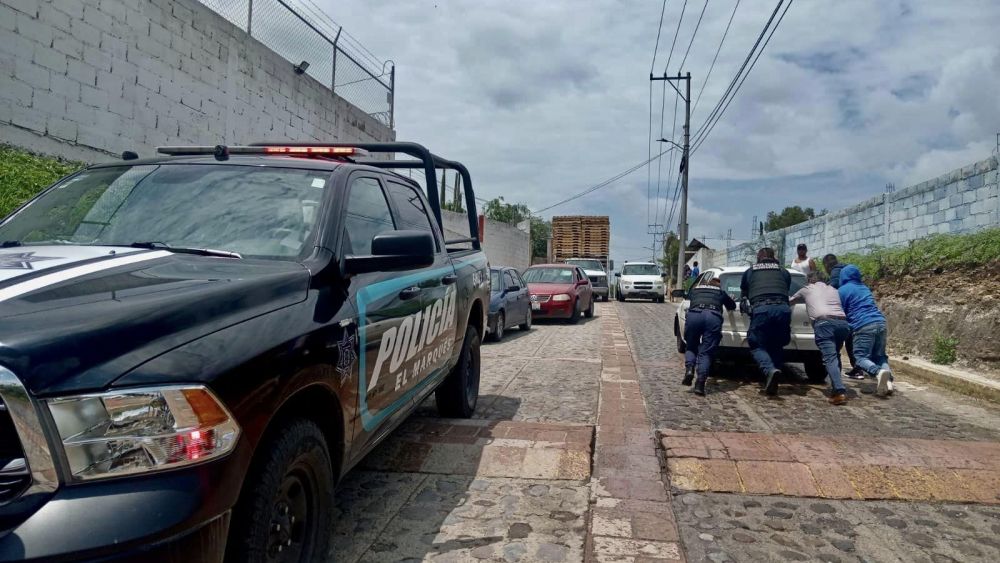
x=703, y=331
x=764, y=296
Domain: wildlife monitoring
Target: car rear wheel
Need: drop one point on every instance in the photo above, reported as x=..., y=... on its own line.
x=458, y=394
x=589, y=313
x=526, y=325
x=681, y=347
x=816, y=370
x=286, y=508
x=497, y=334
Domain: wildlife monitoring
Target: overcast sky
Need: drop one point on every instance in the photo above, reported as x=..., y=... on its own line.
x=542, y=100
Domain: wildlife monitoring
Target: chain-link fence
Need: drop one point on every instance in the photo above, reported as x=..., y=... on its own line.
x=300, y=31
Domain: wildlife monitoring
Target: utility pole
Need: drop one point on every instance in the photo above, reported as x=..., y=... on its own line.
x=682, y=226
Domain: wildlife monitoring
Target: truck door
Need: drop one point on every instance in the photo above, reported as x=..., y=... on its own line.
x=434, y=328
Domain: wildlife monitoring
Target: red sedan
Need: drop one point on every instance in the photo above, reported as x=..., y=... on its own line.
x=559, y=291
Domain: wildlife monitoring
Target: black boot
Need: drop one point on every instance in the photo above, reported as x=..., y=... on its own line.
x=688, y=375
x=699, y=388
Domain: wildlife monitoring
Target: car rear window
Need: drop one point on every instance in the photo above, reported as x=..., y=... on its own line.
x=731, y=283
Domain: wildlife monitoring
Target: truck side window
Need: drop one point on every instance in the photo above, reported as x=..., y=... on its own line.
x=367, y=215
x=411, y=213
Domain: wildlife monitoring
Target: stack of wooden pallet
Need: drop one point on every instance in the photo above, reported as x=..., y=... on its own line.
x=580, y=236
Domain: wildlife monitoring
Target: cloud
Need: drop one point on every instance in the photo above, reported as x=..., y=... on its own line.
x=545, y=99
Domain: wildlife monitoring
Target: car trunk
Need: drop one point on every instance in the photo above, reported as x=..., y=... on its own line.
x=735, y=324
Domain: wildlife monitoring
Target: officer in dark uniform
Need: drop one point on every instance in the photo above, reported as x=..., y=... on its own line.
x=703, y=330
x=765, y=288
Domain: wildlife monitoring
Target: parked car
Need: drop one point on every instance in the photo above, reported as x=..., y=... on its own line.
x=801, y=349
x=509, y=304
x=559, y=291
x=196, y=348
x=641, y=279
x=595, y=271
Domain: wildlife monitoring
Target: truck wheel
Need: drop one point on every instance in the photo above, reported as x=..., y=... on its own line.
x=681, y=347
x=285, y=510
x=816, y=370
x=497, y=333
x=526, y=325
x=589, y=313
x=456, y=397
x=604, y=298
x=620, y=296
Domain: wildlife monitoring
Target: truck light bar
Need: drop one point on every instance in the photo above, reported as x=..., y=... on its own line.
x=292, y=150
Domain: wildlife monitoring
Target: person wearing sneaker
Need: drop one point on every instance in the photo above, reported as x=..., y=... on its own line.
x=765, y=285
x=869, y=328
x=833, y=268
x=830, y=328
x=703, y=331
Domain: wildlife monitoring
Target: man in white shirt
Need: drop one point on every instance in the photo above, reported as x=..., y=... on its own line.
x=830, y=329
x=802, y=262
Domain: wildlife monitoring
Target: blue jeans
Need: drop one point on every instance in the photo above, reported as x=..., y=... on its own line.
x=830, y=337
x=869, y=348
x=770, y=331
x=702, y=333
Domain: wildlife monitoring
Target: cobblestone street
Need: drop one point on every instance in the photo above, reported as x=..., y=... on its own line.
x=585, y=447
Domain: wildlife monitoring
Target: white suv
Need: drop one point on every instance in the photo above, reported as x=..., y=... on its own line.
x=802, y=347
x=641, y=279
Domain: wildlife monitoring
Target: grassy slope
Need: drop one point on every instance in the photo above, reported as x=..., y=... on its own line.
x=22, y=175
x=946, y=252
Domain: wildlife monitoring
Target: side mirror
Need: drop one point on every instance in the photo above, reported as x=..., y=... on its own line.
x=582, y=282
x=393, y=251
x=513, y=288
x=679, y=293
x=618, y=274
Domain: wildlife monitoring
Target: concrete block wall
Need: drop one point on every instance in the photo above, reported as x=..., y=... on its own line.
x=505, y=245
x=85, y=79
x=962, y=201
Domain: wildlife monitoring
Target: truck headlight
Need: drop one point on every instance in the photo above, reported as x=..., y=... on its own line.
x=561, y=297
x=141, y=430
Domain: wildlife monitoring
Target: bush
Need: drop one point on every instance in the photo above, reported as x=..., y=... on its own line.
x=23, y=175
x=948, y=252
x=944, y=350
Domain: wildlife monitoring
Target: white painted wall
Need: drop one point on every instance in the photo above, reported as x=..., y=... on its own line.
x=505, y=245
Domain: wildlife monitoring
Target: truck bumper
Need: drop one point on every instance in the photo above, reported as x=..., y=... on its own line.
x=601, y=291
x=180, y=515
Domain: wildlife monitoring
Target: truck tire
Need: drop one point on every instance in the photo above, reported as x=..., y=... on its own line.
x=285, y=509
x=620, y=296
x=497, y=333
x=604, y=298
x=816, y=369
x=589, y=313
x=681, y=347
x=457, y=396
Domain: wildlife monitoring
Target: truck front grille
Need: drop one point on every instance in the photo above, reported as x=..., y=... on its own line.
x=643, y=285
x=14, y=474
x=599, y=281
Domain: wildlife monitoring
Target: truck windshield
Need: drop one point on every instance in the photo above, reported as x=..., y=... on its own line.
x=640, y=270
x=587, y=264
x=255, y=211
x=731, y=284
x=548, y=275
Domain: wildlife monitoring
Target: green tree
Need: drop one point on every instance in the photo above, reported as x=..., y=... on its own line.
x=671, y=246
x=541, y=230
x=789, y=216
x=511, y=213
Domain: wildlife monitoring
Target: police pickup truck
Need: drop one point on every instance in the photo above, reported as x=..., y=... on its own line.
x=195, y=348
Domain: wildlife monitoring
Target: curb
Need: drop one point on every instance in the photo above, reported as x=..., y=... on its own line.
x=963, y=382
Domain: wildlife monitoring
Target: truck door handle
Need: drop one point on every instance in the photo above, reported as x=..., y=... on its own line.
x=449, y=279
x=409, y=293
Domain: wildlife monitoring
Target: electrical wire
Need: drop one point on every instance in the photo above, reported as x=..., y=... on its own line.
x=693, y=34
x=659, y=29
x=712, y=66
x=603, y=184
x=701, y=140
x=732, y=83
x=674, y=43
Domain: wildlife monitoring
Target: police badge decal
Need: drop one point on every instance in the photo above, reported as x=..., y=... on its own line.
x=346, y=356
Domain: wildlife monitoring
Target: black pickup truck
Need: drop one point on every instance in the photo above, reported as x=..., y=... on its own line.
x=194, y=349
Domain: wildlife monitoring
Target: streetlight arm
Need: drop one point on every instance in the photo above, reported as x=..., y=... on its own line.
x=671, y=142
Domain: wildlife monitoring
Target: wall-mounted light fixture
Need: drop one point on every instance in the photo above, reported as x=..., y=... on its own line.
x=301, y=68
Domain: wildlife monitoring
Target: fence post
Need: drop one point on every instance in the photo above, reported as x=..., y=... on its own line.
x=392, y=97
x=249, y=17
x=333, y=79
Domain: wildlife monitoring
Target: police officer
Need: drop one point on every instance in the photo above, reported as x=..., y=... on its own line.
x=765, y=286
x=703, y=330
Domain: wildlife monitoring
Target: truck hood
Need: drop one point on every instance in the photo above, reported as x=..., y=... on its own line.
x=76, y=318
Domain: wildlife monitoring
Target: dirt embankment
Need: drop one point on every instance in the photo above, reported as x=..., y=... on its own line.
x=962, y=304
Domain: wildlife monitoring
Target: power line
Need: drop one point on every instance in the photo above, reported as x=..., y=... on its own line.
x=659, y=29
x=700, y=92
x=649, y=152
x=670, y=168
x=701, y=140
x=732, y=83
x=696, y=26
x=605, y=183
x=676, y=32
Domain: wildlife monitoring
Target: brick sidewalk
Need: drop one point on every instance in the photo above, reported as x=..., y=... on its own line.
x=631, y=518
x=843, y=467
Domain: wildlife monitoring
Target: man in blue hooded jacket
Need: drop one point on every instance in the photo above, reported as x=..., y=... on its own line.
x=868, y=328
